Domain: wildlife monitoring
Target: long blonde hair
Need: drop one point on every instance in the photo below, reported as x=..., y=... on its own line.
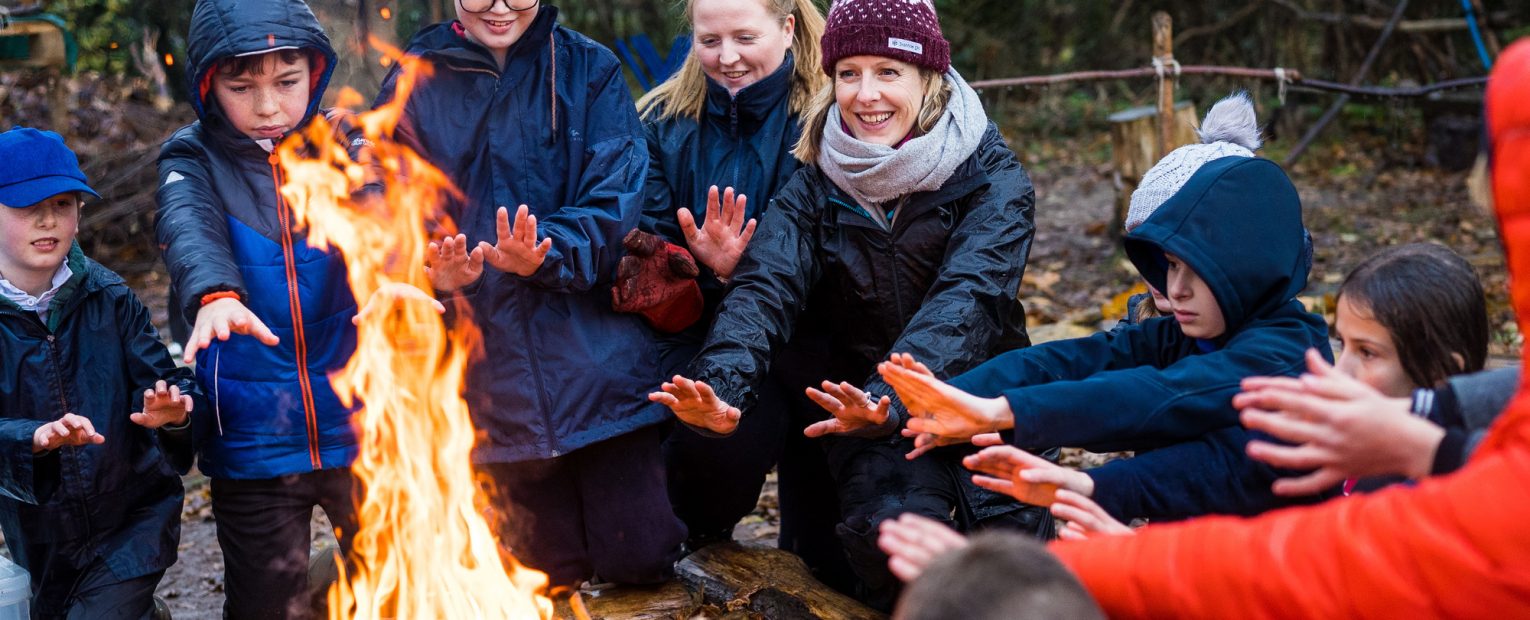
x=685, y=92
x=932, y=106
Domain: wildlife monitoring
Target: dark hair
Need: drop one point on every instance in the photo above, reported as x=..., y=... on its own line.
x=1430, y=300
x=255, y=64
x=997, y=576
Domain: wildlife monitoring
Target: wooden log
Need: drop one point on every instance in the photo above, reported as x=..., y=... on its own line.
x=770, y=582
x=1134, y=148
x=663, y=602
x=1163, y=57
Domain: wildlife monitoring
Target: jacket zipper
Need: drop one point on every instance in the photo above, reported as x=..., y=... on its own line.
x=738, y=139
x=295, y=306
x=58, y=371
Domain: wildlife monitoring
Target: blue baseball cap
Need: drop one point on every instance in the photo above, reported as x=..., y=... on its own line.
x=35, y=165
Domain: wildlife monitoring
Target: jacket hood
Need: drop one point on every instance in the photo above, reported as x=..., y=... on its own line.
x=755, y=101
x=1238, y=224
x=226, y=28
x=447, y=40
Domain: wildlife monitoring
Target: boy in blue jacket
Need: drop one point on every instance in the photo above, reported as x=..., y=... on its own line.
x=535, y=124
x=89, y=500
x=272, y=315
x=1227, y=247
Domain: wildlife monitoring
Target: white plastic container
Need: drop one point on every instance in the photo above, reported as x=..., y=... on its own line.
x=15, y=591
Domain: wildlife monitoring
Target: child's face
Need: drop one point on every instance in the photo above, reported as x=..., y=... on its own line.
x=1369, y=353
x=36, y=239
x=1195, y=307
x=497, y=24
x=1160, y=300
x=268, y=103
x=739, y=42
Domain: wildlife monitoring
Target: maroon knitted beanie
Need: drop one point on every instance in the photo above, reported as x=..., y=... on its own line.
x=905, y=30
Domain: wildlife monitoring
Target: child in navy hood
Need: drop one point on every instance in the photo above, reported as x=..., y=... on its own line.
x=1232, y=223
x=272, y=314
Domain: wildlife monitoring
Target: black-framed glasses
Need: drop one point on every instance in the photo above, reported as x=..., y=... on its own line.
x=484, y=6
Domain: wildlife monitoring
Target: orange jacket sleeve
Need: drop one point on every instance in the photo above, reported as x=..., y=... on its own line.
x=1456, y=546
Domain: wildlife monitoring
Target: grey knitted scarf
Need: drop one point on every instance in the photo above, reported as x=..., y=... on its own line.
x=875, y=174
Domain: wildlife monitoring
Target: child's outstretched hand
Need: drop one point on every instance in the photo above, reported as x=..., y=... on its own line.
x=1025, y=476
x=70, y=430
x=450, y=266
x=721, y=240
x=164, y=404
x=852, y=408
x=696, y=404
x=222, y=317
x=1085, y=517
x=516, y=251
x=391, y=294
x=1343, y=428
x=944, y=413
x=911, y=542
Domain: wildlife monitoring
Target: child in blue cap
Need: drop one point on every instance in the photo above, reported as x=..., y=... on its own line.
x=93, y=411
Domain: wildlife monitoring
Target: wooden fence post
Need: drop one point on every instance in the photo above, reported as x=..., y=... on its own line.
x=1163, y=57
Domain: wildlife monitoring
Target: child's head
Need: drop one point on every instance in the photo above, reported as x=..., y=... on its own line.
x=1410, y=317
x=1000, y=575
x=1191, y=300
x=40, y=189
x=497, y=24
x=264, y=96
x=259, y=67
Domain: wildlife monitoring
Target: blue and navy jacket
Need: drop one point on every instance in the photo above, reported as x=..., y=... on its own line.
x=224, y=227
x=1236, y=223
x=555, y=130
x=119, y=502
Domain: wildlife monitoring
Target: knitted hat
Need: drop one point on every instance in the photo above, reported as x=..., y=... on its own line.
x=905, y=30
x=1230, y=129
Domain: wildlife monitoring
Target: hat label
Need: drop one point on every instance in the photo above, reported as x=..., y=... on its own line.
x=905, y=45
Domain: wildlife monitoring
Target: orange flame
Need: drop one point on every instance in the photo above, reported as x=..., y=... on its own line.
x=424, y=548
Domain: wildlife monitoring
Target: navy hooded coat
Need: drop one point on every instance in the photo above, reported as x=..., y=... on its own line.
x=557, y=131
x=224, y=227
x=1237, y=224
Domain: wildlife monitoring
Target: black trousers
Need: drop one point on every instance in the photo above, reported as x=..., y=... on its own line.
x=63, y=592
x=264, y=531
x=601, y=510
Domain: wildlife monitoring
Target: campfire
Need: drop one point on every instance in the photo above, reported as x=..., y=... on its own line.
x=424, y=548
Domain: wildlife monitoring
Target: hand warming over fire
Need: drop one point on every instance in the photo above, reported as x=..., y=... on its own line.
x=1025, y=476
x=392, y=294
x=164, y=404
x=944, y=413
x=221, y=317
x=70, y=430
x=450, y=266
x=1085, y=517
x=721, y=240
x=852, y=408
x=516, y=251
x=696, y=404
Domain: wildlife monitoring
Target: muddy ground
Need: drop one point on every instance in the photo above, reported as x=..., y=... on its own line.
x=1361, y=191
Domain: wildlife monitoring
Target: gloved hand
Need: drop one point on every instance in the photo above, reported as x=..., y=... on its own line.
x=657, y=280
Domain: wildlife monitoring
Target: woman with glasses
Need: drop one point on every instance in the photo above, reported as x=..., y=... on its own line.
x=534, y=124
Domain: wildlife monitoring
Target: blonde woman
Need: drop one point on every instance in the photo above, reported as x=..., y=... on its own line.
x=907, y=230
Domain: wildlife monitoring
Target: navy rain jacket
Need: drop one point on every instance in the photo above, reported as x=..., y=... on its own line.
x=118, y=502
x=557, y=131
x=1237, y=224
x=223, y=227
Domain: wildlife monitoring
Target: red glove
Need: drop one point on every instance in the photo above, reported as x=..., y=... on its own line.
x=657, y=279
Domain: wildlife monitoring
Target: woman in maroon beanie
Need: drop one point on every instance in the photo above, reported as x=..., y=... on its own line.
x=907, y=230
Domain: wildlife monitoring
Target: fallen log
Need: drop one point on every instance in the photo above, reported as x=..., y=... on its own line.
x=770, y=582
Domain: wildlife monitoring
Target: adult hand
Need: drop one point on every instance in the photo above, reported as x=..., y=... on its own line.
x=163, y=404
x=391, y=294
x=220, y=318
x=1085, y=517
x=1025, y=476
x=911, y=542
x=696, y=404
x=516, y=250
x=723, y=236
x=70, y=430
x=450, y=266
x=1342, y=429
x=852, y=409
x=945, y=413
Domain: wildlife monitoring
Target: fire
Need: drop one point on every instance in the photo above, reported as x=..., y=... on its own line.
x=424, y=548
